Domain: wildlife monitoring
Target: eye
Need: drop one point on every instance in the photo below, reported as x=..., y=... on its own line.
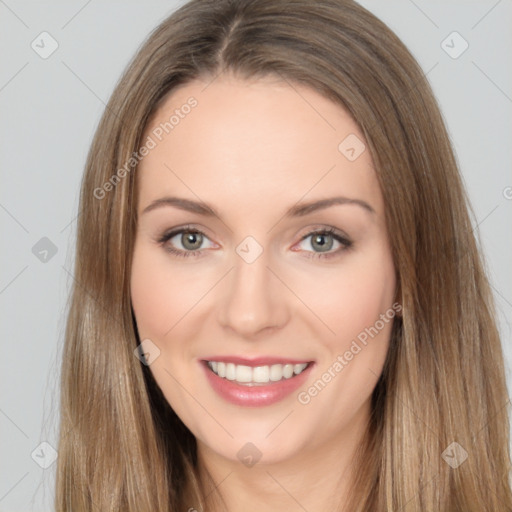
x=188, y=242
x=184, y=242
x=323, y=241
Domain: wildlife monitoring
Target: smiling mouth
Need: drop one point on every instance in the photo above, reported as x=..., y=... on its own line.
x=256, y=375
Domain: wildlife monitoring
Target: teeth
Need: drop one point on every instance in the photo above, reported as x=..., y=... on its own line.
x=288, y=371
x=276, y=372
x=243, y=373
x=256, y=375
x=261, y=374
x=230, y=371
x=298, y=368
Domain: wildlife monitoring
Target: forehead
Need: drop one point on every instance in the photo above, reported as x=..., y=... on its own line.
x=263, y=139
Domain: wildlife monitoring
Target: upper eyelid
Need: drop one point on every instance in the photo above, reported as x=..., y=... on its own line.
x=330, y=230
x=171, y=233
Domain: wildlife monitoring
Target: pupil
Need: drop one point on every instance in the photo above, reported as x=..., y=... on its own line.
x=323, y=246
x=194, y=239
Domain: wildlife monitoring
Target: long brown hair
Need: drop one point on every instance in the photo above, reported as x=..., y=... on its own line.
x=122, y=447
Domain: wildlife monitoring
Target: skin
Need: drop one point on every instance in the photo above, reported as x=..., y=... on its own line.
x=253, y=149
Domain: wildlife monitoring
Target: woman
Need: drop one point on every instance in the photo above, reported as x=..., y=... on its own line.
x=279, y=297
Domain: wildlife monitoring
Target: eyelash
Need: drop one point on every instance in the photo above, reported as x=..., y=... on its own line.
x=345, y=242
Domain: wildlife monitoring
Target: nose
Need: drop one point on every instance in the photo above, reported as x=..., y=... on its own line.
x=253, y=299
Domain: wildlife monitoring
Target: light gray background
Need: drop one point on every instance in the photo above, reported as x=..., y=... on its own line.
x=50, y=109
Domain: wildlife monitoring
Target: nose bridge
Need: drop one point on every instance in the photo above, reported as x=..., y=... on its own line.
x=252, y=300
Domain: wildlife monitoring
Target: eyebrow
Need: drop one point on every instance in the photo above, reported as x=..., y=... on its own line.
x=298, y=210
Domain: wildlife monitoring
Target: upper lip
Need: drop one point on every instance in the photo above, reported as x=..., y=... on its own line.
x=257, y=361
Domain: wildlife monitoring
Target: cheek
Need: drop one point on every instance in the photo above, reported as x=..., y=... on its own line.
x=353, y=357
x=351, y=298
x=368, y=296
x=161, y=295
x=150, y=296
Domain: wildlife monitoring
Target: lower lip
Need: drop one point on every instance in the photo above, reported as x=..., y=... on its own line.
x=257, y=395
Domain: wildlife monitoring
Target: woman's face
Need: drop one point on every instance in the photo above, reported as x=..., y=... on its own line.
x=271, y=276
